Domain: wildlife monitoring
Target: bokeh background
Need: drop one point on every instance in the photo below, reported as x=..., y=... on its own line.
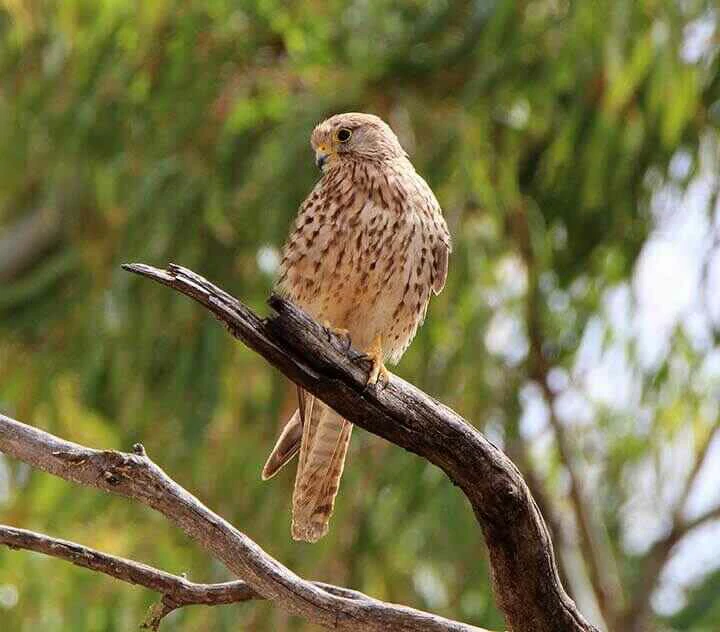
x=574, y=149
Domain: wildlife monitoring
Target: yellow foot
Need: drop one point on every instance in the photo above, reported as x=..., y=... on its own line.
x=378, y=372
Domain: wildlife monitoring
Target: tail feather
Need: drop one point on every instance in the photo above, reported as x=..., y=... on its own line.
x=323, y=447
x=286, y=448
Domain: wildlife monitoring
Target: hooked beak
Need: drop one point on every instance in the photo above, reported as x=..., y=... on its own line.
x=322, y=153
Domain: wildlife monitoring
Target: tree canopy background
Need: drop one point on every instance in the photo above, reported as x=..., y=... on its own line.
x=574, y=149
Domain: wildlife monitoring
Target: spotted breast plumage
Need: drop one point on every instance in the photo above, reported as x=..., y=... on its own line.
x=369, y=248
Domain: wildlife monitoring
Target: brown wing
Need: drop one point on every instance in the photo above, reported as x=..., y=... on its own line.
x=441, y=254
x=323, y=447
x=442, y=247
x=437, y=232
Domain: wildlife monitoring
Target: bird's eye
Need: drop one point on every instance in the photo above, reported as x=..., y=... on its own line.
x=344, y=135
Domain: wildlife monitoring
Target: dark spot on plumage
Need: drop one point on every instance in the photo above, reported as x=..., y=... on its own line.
x=341, y=256
x=382, y=197
x=323, y=509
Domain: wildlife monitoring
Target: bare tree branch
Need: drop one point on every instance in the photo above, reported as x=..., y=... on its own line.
x=136, y=476
x=177, y=591
x=698, y=463
x=635, y=616
x=699, y=520
x=656, y=558
x=524, y=572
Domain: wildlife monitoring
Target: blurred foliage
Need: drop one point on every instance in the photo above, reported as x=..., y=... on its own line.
x=178, y=131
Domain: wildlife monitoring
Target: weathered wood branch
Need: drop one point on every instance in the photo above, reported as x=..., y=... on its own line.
x=176, y=591
x=136, y=476
x=524, y=572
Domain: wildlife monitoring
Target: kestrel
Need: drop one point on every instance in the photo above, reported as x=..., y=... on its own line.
x=369, y=247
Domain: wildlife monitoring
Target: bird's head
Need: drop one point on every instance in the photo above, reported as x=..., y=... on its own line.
x=356, y=136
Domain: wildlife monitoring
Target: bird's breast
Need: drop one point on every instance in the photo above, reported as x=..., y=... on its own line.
x=355, y=257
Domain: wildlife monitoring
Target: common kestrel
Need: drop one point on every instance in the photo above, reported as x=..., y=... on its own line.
x=370, y=245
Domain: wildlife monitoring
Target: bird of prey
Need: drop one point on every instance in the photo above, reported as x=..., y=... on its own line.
x=369, y=247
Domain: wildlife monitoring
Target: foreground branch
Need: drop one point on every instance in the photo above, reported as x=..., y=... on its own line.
x=177, y=591
x=136, y=476
x=524, y=572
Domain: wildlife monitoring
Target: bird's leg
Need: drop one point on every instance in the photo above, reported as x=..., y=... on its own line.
x=378, y=372
x=339, y=332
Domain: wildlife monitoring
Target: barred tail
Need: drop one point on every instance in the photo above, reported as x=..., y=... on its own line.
x=324, y=444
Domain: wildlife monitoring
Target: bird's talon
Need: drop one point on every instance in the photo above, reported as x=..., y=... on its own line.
x=384, y=380
x=348, y=343
x=338, y=332
x=379, y=376
x=378, y=373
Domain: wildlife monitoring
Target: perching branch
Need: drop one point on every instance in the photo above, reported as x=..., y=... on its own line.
x=524, y=572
